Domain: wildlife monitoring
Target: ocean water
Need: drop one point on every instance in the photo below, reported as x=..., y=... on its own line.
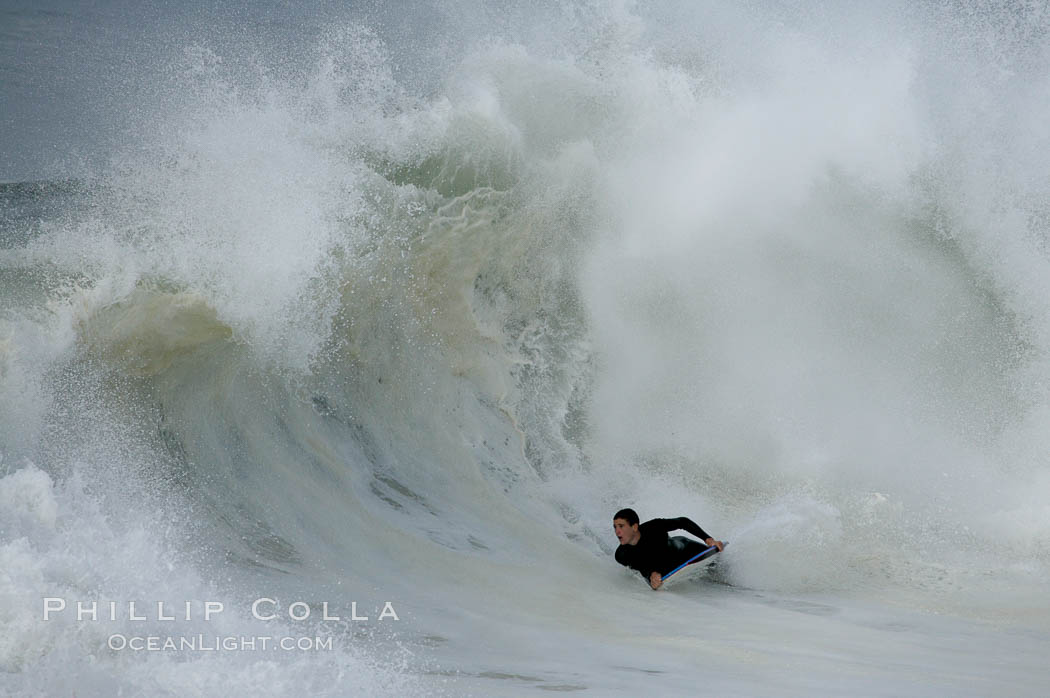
x=349, y=328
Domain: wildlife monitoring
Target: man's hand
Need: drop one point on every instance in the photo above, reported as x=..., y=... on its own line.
x=655, y=580
x=716, y=543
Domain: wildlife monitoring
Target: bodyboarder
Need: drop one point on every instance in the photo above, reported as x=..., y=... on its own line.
x=648, y=549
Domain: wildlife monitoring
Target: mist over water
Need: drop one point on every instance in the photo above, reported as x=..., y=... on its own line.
x=390, y=298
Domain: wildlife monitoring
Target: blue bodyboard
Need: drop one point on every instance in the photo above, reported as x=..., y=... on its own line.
x=691, y=567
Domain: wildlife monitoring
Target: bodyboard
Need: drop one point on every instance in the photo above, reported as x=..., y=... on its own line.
x=691, y=568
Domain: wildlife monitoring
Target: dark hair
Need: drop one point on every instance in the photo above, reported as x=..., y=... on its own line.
x=628, y=515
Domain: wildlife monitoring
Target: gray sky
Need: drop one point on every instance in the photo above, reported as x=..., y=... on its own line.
x=76, y=75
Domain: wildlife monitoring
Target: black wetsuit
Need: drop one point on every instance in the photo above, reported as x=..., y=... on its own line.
x=656, y=552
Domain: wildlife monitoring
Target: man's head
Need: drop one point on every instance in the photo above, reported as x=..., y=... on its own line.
x=625, y=526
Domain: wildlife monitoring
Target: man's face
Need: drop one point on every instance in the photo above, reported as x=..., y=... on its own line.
x=626, y=533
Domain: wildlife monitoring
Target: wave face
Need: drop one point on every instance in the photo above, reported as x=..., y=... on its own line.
x=376, y=311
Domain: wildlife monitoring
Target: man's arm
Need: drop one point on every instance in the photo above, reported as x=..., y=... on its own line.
x=635, y=563
x=689, y=526
x=685, y=524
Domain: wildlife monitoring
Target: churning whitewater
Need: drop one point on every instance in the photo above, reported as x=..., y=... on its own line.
x=326, y=359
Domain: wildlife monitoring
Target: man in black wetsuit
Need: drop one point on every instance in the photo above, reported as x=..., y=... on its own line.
x=648, y=549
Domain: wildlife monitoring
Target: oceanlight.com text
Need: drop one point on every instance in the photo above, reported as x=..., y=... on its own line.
x=217, y=643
